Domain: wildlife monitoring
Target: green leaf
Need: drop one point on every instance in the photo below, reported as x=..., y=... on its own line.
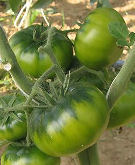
x=34, y=14
x=122, y=43
x=118, y=30
x=15, y=117
x=4, y=82
x=41, y=4
x=132, y=38
x=12, y=100
x=4, y=120
x=3, y=103
x=15, y=4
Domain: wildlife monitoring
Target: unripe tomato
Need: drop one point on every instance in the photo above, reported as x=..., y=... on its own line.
x=15, y=126
x=95, y=47
x=26, y=42
x=73, y=124
x=20, y=155
x=123, y=111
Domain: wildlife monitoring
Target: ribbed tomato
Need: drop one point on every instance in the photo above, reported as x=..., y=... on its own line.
x=123, y=111
x=20, y=155
x=15, y=126
x=95, y=47
x=25, y=44
x=73, y=124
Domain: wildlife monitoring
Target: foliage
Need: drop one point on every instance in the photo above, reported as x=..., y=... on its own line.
x=121, y=33
x=15, y=4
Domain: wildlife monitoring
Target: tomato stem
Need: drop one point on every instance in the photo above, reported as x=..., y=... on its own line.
x=21, y=107
x=93, y=155
x=121, y=81
x=48, y=49
x=89, y=156
x=28, y=140
x=31, y=96
x=59, y=72
x=37, y=90
x=53, y=89
x=82, y=69
x=84, y=157
x=7, y=56
x=47, y=97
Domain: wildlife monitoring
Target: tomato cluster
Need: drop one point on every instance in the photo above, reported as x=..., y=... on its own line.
x=78, y=117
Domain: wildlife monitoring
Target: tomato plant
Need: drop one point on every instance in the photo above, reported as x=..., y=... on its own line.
x=95, y=46
x=26, y=42
x=66, y=115
x=124, y=109
x=27, y=156
x=14, y=125
x=73, y=124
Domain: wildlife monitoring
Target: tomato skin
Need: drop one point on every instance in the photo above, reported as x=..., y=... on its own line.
x=13, y=129
x=27, y=156
x=123, y=111
x=73, y=124
x=30, y=60
x=95, y=47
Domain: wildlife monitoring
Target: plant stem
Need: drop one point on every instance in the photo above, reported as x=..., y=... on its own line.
x=83, y=69
x=43, y=15
x=47, y=97
x=93, y=155
x=36, y=87
x=28, y=140
x=84, y=157
x=28, y=5
x=48, y=49
x=19, y=15
x=7, y=57
x=121, y=81
x=89, y=156
x=20, y=108
x=59, y=72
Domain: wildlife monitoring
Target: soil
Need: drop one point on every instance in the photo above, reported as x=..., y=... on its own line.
x=115, y=147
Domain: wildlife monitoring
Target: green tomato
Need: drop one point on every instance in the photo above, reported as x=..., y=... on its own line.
x=95, y=47
x=123, y=111
x=73, y=124
x=15, y=155
x=15, y=126
x=26, y=42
